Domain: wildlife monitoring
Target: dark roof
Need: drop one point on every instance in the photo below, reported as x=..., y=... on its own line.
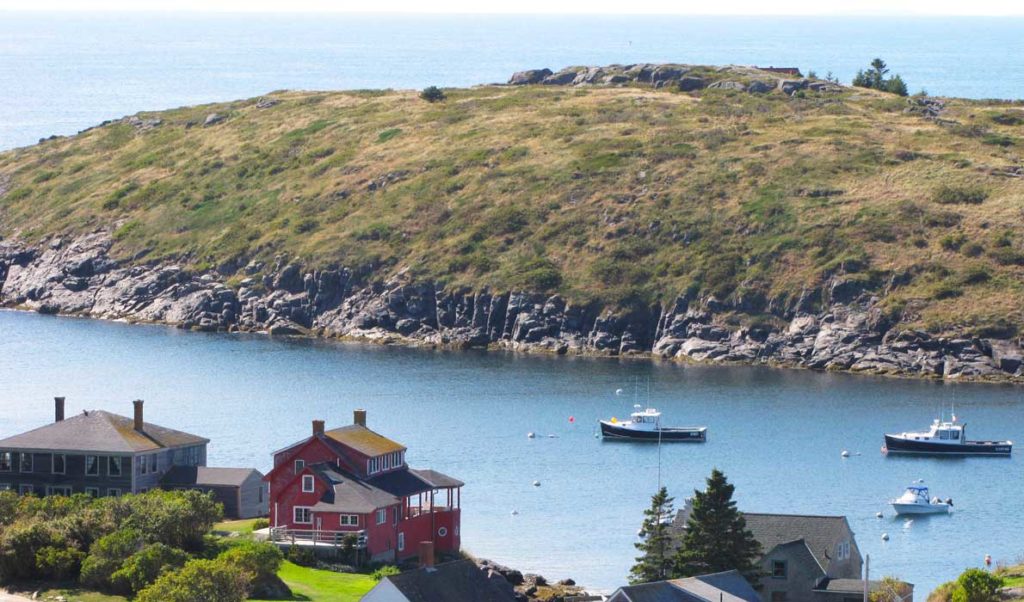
x=459, y=581
x=101, y=432
x=347, y=493
x=211, y=477
x=408, y=481
x=363, y=440
x=820, y=533
x=728, y=586
x=848, y=586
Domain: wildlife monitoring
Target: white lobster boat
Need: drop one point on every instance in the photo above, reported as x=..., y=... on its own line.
x=645, y=425
x=916, y=500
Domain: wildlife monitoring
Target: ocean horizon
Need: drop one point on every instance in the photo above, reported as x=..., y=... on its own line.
x=63, y=72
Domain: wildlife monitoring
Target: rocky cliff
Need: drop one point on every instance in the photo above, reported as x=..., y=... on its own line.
x=78, y=276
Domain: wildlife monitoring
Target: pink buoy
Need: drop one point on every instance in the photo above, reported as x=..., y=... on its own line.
x=988, y=560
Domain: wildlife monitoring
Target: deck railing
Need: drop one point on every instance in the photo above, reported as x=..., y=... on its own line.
x=315, y=536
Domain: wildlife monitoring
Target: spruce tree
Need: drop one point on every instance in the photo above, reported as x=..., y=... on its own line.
x=655, y=562
x=717, y=538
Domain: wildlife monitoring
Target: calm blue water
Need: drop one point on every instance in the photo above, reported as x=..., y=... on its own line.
x=777, y=434
x=60, y=73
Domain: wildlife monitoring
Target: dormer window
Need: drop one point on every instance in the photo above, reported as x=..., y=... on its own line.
x=299, y=465
x=308, y=485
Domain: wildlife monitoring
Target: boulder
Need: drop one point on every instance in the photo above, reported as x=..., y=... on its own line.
x=530, y=76
x=728, y=85
x=690, y=83
x=791, y=86
x=213, y=118
x=760, y=86
x=562, y=78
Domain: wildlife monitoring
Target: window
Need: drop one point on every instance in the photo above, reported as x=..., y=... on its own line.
x=349, y=520
x=92, y=491
x=152, y=463
x=779, y=597
x=778, y=570
x=394, y=516
x=59, y=464
x=92, y=466
x=382, y=516
x=113, y=492
x=26, y=489
x=954, y=434
x=5, y=486
x=26, y=463
x=6, y=461
x=943, y=434
x=299, y=465
x=64, y=490
x=387, y=461
x=260, y=490
x=303, y=516
x=308, y=486
x=401, y=541
x=114, y=466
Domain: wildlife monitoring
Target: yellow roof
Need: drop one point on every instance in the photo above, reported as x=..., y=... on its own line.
x=364, y=441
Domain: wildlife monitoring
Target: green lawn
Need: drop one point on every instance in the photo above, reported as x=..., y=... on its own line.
x=315, y=585
x=235, y=526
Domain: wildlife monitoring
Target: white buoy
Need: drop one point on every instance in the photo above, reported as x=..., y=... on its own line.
x=536, y=483
x=885, y=537
x=879, y=515
x=618, y=391
x=845, y=454
x=596, y=435
x=530, y=435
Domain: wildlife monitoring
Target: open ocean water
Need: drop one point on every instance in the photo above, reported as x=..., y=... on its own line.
x=777, y=434
x=60, y=73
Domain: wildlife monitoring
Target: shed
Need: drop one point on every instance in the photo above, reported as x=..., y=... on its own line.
x=241, y=490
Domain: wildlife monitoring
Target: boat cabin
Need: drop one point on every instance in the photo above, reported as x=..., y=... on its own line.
x=949, y=432
x=645, y=419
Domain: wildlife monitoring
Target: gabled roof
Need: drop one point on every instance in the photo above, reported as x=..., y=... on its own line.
x=207, y=476
x=459, y=581
x=728, y=586
x=347, y=493
x=819, y=533
x=101, y=432
x=408, y=481
x=363, y=440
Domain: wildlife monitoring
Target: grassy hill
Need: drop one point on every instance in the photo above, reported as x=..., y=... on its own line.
x=622, y=195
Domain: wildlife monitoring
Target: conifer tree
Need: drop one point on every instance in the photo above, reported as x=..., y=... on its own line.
x=655, y=562
x=717, y=538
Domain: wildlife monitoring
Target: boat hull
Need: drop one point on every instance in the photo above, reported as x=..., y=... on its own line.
x=899, y=445
x=684, y=434
x=920, y=508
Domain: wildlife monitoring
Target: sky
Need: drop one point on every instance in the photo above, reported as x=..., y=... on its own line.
x=718, y=7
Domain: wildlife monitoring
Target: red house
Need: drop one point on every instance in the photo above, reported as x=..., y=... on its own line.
x=351, y=480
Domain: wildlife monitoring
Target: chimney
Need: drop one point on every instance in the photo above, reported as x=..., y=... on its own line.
x=318, y=427
x=58, y=409
x=359, y=417
x=138, y=415
x=426, y=554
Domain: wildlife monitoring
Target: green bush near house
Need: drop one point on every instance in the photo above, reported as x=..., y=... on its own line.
x=199, y=581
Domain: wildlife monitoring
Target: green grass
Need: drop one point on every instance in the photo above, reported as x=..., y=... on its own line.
x=324, y=586
x=235, y=526
x=622, y=196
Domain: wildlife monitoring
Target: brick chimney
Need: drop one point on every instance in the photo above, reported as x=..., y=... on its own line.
x=426, y=551
x=318, y=427
x=58, y=409
x=359, y=417
x=139, y=425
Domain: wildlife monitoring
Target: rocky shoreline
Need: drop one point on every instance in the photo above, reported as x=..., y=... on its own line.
x=80, y=277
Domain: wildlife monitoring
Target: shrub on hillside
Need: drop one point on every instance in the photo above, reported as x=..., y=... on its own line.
x=949, y=194
x=260, y=523
x=19, y=545
x=385, y=571
x=977, y=585
x=199, y=581
x=301, y=556
x=145, y=566
x=258, y=558
x=432, y=94
x=943, y=593
x=179, y=519
x=106, y=557
x=59, y=563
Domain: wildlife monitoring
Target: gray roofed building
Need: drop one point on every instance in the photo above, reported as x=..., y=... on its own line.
x=348, y=493
x=728, y=586
x=459, y=581
x=101, y=432
x=241, y=490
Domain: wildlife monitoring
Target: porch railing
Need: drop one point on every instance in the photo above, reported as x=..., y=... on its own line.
x=315, y=536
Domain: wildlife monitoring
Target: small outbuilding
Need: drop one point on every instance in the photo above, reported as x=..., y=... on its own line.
x=458, y=581
x=728, y=586
x=242, y=490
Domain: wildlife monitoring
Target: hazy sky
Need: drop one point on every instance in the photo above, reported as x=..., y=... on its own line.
x=732, y=7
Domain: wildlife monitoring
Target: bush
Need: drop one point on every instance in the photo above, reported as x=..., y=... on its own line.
x=432, y=94
x=943, y=593
x=19, y=546
x=199, y=581
x=260, y=523
x=179, y=519
x=106, y=557
x=301, y=556
x=145, y=566
x=953, y=242
x=959, y=195
x=59, y=563
x=976, y=585
x=385, y=571
x=262, y=560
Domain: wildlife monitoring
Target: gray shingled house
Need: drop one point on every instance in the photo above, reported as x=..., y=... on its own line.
x=805, y=557
x=458, y=581
x=728, y=586
x=104, y=454
x=241, y=490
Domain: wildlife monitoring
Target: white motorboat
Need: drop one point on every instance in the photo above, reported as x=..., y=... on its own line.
x=645, y=425
x=916, y=500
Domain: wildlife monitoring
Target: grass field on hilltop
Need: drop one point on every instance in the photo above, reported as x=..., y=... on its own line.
x=625, y=196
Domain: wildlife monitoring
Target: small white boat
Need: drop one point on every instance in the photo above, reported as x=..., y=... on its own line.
x=645, y=425
x=915, y=500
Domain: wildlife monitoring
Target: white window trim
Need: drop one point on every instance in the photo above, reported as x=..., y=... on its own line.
x=120, y=466
x=382, y=516
x=5, y=486
x=86, y=468
x=65, y=490
x=93, y=491
x=401, y=541
x=53, y=463
x=300, y=465
x=349, y=520
x=26, y=489
x=10, y=461
x=114, y=492
x=31, y=462
x=308, y=478
x=295, y=518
